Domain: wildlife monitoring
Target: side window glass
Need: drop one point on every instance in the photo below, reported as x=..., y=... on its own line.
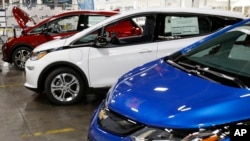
x=134, y=30
x=38, y=29
x=87, y=21
x=177, y=27
x=218, y=22
x=94, y=19
x=88, y=39
x=182, y=26
x=64, y=24
x=205, y=25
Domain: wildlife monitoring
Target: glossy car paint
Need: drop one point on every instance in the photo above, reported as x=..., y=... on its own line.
x=100, y=66
x=32, y=40
x=96, y=133
x=22, y=17
x=163, y=86
x=160, y=95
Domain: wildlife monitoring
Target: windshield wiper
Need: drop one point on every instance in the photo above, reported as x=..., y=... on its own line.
x=197, y=69
x=191, y=71
x=177, y=65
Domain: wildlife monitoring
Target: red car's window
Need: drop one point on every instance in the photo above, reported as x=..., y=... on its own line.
x=94, y=19
x=65, y=24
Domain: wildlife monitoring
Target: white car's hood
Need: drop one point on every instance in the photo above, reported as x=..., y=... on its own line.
x=51, y=45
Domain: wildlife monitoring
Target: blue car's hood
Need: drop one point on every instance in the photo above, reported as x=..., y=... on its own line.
x=164, y=96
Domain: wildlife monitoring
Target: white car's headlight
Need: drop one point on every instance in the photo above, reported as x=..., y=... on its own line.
x=38, y=55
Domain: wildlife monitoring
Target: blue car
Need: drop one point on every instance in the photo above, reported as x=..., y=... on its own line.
x=196, y=94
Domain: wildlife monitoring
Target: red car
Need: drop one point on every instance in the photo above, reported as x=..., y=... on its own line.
x=17, y=49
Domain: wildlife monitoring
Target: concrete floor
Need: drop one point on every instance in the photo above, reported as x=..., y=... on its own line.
x=27, y=116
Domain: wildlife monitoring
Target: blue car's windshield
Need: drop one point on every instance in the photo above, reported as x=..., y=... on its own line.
x=227, y=54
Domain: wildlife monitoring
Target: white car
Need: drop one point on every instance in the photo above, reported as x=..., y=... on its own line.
x=66, y=69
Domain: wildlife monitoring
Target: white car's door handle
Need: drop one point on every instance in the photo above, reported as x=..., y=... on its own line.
x=145, y=51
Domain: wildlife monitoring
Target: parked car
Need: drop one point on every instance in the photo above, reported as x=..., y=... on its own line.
x=196, y=94
x=17, y=48
x=66, y=69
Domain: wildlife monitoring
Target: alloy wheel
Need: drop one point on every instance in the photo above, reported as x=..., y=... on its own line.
x=65, y=87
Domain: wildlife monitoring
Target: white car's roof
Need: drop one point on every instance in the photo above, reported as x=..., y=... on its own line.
x=202, y=11
x=207, y=11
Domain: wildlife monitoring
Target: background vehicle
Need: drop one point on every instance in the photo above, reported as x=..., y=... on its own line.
x=198, y=93
x=94, y=58
x=17, y=49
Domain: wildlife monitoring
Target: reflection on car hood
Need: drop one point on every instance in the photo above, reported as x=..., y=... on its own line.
x=22, y=17
x=53, y=44
x=165, y=96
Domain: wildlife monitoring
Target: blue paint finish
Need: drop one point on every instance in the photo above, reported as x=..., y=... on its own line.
x=160, y=95
x=187, y=97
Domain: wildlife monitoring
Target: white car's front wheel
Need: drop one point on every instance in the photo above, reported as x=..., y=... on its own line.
x=64, y=86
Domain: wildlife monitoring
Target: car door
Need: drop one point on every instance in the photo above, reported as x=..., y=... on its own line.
x=128, y=45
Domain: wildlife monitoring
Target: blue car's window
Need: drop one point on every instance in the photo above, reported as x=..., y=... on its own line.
x=227, y=54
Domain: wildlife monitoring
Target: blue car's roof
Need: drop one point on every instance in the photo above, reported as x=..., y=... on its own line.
x=157, y=94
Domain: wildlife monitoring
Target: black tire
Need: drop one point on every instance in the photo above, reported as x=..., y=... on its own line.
x=64, y=86
x=20, y=56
